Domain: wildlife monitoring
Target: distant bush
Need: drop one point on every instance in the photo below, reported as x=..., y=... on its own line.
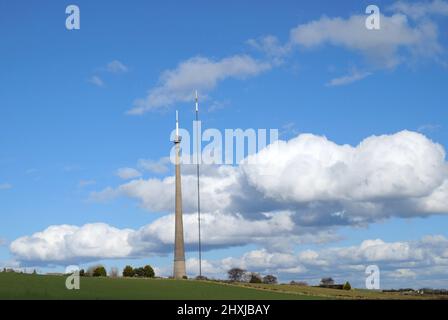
x=82, y=273
x=236, y=274
x=128, y=271
x=299, y=283
x=201, y=278
x=347, y=286
x=185, y=277
x=255, y=278
x=148, y=271
x=326, y=282
x=142, y=272
x=270, y=279
x=99, y=271
x=139, y=272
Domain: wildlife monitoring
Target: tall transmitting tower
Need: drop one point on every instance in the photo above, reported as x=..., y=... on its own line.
x=179, y=247
x=198, y=153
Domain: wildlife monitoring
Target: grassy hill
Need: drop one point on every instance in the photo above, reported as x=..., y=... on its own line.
x=26, y=286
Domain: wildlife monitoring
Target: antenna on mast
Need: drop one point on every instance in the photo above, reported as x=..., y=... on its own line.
x=197, y=172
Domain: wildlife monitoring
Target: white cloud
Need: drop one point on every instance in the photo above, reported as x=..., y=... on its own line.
x=128, y=173
x=322, y=183
x=5, y=186
x=203, y=74
x=429, y=127
x=116, y=67
x=403, y=273
x=379, y=46
x=270, y=45
x=398, y=261
x=160, y=166
x=420, y=260
x=96, y=80
x=65, y=243
x=309, y=168
x=418, y=10
x=84, y=183
x=347, y=79
x=158, y=194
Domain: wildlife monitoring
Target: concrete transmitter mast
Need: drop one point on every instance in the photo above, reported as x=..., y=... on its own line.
x=179, y=247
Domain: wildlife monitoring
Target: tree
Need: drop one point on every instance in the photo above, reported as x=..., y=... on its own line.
x=128, y=271
x=139, y=272
x=326, y=282
x=236, y=274
x=347, y=286
x=270, y=279
x=255, y=278
x=99, y=271
x=148, y=271
x=82, y=273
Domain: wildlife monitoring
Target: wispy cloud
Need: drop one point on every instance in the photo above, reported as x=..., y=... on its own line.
x=128, y=173
x=5, y=186
x=84, y=183
x=418, y=10
x=113, y=67
x=116, y=67
x=347, y=79
x=97, y=81
x=429, y=127
x=160, y=166
x=201, y=73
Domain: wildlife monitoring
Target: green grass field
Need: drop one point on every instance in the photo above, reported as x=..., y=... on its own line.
x=26, y=286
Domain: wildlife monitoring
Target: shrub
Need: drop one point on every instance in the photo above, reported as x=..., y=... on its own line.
x=347, y=286
x=299, y=283
x=139, y=272
x=270, y=279
x=99, y=271
x=128, y=271
x=255, y=278
x=327, y=282
x=82, y=273
x=148, y=271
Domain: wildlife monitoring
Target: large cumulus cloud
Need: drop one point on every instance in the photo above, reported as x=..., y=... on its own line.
x=324, y=183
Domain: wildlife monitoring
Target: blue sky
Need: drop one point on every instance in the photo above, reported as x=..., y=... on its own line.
x=66, y=96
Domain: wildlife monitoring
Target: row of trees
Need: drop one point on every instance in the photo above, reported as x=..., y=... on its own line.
x=99, y=271
x=94, y=271
x=241, y=275
x=329, y=283
x=142, y=272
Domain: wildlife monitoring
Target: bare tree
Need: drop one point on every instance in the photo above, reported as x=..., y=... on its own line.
x=270, y=279
x=327, y=282
x=236, y=274
x=113, y=272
